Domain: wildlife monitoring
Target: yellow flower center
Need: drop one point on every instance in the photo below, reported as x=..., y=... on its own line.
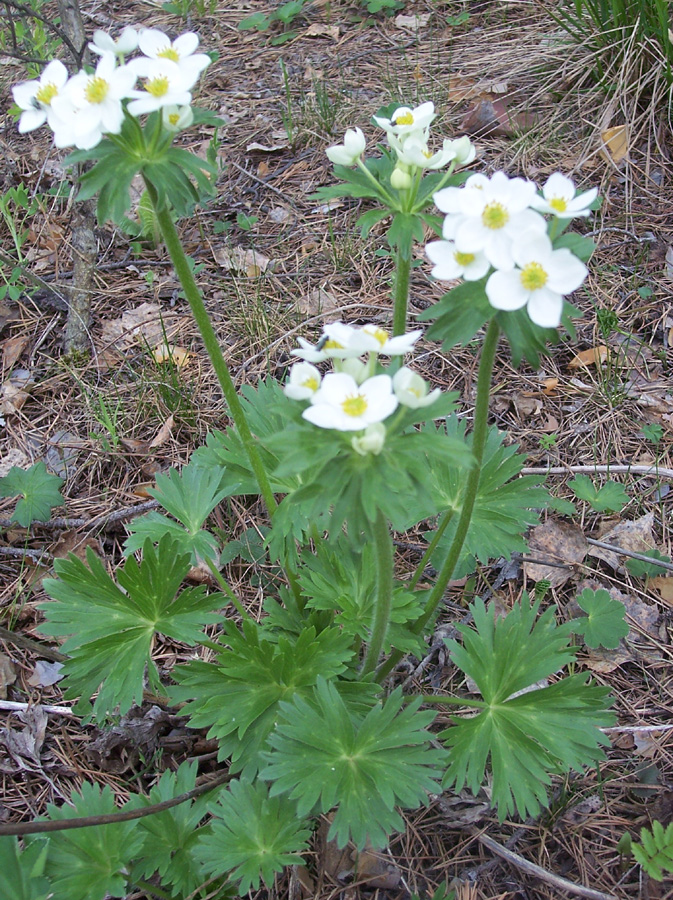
x=495, y=216
x=97, y=89
x=380, y=335
x=405, y=119
x=157, y=87
x=174, y=118
x=355, y=406
x=46, y=93
x=169, y=53
x=559, y=204
x=533, y=276
x=463, y=259
x=331, y=344
x=311, y=383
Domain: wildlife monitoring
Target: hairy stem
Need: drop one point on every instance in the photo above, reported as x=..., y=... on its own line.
x=469, y=497
x=402, y=274
x=184, y=273
x=384, y=598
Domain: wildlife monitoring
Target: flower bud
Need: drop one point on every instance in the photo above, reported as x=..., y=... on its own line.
x=400, y=179
x=371, y=441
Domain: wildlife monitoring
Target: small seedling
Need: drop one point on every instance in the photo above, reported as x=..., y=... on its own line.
x=39, y=492
x=548, y=441
x=641, y=569
x=244, y=222
x=610, y=498
x=652, y=432
x=604, y=624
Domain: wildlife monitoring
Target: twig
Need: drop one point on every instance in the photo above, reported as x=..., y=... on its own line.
x=618, y=470
x=15, y=706
x=20, y=641
x=102, y=520
x=630, y=553
x=122, y=816
x=37, y=555
x=561, y=884
x=634, y=728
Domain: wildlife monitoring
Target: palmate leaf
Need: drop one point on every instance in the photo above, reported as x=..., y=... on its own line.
x=528, y=737
x=22, y=872
x=326, y=754
x=91, y=863
x=169, y=837
x=38, y=489
x=604, y=624
x=190, y=496
x=253, y=836
x=505, y=507
x=609, y=498
x=237, y=696
x=111, y=627
x=343, y=578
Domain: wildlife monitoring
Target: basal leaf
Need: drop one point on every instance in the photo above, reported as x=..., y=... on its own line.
x=604, y=624
x=38, y=489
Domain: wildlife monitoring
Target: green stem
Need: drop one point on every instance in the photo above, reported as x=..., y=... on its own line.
x=479, y=435
x=402, y=274
x=384, y=570
x=420, y=568
x=419, y=207
x=227, y=591
x=184, y=273
x=389, y=201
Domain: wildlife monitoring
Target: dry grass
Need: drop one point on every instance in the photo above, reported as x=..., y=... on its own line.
x=595, y=414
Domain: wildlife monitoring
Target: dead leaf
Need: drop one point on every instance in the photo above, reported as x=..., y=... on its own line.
x=12, y=349
x=147, y=325
x=324, y=208
x=71, y=541
x=263, y=169
x=461, y=89
x=26, y=744
x=663, y=584
x=279, y=214
x=580, y=812
x=635, y=535
x=178, y=355
x=412, y=23
x=527, y=406
x=7, y=675
x=318, y=30
x=336, y=863
x=45, y=673
x=594, y=356
x=550, y=385
x=647, y=743
x=266, y=148
x=119, y=748
x=614, y=144
x=62, y=451
x=377, y=870
x=318, y=302
x=606, y=661
x=240, y=259
x=13, y=458
x=15, y=391
x=551, y=425
x=559, y=542
x=163, y=433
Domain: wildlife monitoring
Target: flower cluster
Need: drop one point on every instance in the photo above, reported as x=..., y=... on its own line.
x=408, y=133
x=82, y=108
x=496, y=225
x=356, y=396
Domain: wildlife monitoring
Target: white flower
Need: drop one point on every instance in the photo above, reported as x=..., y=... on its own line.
x=392, y=346
x=343, y=404
x=177, y=118
x=35, y=98
x=414, y=152
x=338, y=341
x=463, y=149
x=558, y=198
x=348, y=153
x=371, y=441
x=411, y=390
x=450, y=263
x=91, y=105
x=157, y=45
x=165, y=85
x=489, y=215
x=125, y=44
x=542, y=277
x=406, y=121
x=303, y=383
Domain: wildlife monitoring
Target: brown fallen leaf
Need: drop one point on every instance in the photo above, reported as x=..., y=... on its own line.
x=26, y=744
x=663, y=585
x=240, y=259
x=559, y=542
x=173, y=353
x=413, y=22
x=163, y=434
x=72, y=541
x=594, y=356
x=13, y=457
x=461, y=89
x=634, y=535
x=377, y=870
x=7, y=675
x=319, y=30
x=147, y=325
x=614, y=144
x=12, y=349
x=45, y=673
x=266, y=148
x=318, y=302
x=493, y=115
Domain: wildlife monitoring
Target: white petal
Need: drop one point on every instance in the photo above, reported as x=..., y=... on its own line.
x=566, y=272
x=24, y=94
x=505, y=291
x=558, y=185
x=31, y=119
x=545, y=307
x=151, y=41
x=186, y=44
